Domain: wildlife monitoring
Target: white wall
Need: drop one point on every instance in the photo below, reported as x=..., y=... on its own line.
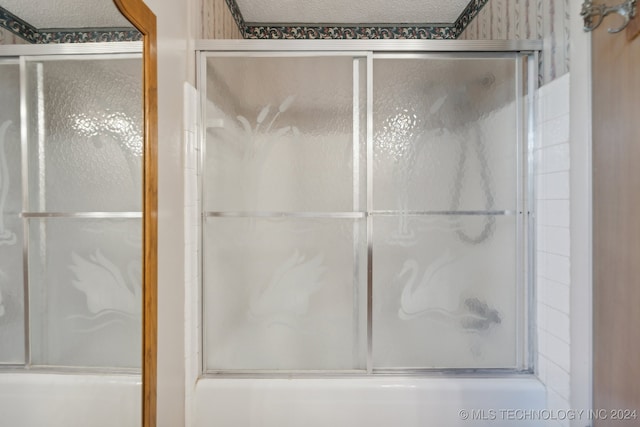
x=553, y=275
x=564, y=243
x=191, y=246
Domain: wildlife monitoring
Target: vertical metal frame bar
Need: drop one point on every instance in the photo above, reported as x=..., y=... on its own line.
x=356, y=207
x=520, y=282
x=356, y=134
x=38, y=143
x=201, y=81
x=24, y=142
x=42, y=168
x=369, y=210
x=532, y=102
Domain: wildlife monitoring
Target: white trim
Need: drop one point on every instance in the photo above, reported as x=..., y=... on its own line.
x=192, y=337
x=581, y=296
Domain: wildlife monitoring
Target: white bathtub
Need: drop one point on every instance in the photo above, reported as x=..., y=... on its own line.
x=369, y=402
x=69, y=400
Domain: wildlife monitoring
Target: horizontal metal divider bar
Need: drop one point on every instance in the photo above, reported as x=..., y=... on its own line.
x=71, y=49
x=449, y=213
x=371, y=45
x=362, y=373
x=352, y=215
x=52, y=369
x=340, y=215
x=92, y=57
x=87, y=215
x=12, y=366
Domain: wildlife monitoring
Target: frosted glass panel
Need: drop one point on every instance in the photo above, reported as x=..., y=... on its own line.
x=85, y=290
x=11, y=266
x=280, y=134
x=445, y=133
x=439, y=301
x=85, y=135
x=284, y=294
x=444, y=229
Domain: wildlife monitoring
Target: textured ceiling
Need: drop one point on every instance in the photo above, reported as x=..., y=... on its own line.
x=351, y=11
x=46, y=14
x=103, y=13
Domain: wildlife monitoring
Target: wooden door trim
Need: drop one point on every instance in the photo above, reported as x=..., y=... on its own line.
x=139, y=14
x=616, y=230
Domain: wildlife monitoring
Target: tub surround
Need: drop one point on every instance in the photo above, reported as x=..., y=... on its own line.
x=371, y=402
x=64, y=400
x=553, y=274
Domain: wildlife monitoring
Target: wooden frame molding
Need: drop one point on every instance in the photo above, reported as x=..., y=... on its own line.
x=633, y=29
x=137, y=12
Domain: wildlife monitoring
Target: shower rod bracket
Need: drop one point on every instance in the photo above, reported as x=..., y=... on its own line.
x=594, y=14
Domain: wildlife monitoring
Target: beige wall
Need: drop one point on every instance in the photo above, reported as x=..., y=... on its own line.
x=217, y=21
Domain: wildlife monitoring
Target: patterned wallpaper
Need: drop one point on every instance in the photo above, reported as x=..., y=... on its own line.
x=7, y=37
x=528, y=19
x=217, y=21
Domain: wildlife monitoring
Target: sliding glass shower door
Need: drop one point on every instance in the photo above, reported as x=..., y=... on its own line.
x=285, y=228
x=70, y=217
x=445, y=207
x=363, y=212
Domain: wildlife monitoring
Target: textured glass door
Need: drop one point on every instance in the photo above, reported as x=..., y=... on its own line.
x=83, y=152
x=445, y=207
x=284, y=230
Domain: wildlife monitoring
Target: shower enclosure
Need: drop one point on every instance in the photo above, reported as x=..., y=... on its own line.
x=366, y=212
x=70, y=233
x=366, y=223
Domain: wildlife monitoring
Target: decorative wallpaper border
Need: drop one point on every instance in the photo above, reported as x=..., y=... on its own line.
x=32, y=35
x=346, y=32
x=468, y=14
x=89, y=36
x=296, y=31
x=17, y=26
x=237, y=15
